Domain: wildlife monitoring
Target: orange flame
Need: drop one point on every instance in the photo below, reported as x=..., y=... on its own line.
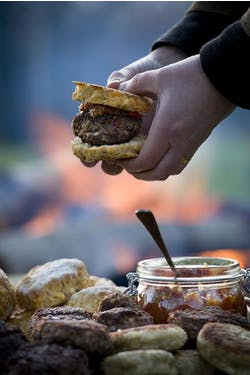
x=242, y=256
x=44, y=223
x=182, y=199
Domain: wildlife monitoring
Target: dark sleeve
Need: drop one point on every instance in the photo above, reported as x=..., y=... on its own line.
x=226, y=62
x=202, y=22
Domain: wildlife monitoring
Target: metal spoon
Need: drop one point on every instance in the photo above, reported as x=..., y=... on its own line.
x=148, y=220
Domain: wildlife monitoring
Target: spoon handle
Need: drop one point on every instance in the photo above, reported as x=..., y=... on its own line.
x=148, y=220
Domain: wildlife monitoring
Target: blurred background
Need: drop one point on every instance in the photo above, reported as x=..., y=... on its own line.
x=53, y=207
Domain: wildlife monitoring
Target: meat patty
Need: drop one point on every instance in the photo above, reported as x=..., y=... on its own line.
x=123, y=317
x=193, y=320
x=56, y=314
x=117, y=300
x=84, y=334
x=11, y=338
x=98, y=125
x=49, y=359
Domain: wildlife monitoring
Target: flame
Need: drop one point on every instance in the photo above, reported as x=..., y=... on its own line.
x=183, y=199
x=44, y=223
x=242, y=256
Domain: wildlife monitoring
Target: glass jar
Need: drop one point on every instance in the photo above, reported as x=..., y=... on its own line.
x=199, y=282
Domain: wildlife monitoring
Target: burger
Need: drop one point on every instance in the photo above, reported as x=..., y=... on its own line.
x=108, y=124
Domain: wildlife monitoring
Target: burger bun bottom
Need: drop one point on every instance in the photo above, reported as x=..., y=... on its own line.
x=88, y=153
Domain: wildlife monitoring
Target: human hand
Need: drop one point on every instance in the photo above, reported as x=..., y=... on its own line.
x=188, y=108
x=154, y=60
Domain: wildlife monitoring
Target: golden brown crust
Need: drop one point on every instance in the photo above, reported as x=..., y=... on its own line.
x=89, y=298
x=52, y=283
x=88, y=93
x=7, y=296
x=89, y=153
x=160, y=336
x=140, y=362
x=226, y=347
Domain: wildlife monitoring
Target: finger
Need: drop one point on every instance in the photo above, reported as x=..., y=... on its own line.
x=114, y=84
x=121, y=75
x=111, y=167
x=141, y=83
x=171, y=164
x=88, y=164
x=155, y=147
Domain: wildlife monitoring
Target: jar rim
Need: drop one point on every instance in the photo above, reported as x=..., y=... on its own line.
x=194, y=268
x=190, y=261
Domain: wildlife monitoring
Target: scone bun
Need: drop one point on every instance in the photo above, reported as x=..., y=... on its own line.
x=89, y=153
x=94, y=94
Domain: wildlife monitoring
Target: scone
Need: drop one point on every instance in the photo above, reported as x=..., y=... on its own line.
x=157, y=336
x=7, y=296
x=140, y=362
x=103, y=281
x=226, y=347
x=52, y=283
x=89, y=298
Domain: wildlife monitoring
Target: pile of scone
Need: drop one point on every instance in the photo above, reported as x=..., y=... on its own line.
x=61, y=320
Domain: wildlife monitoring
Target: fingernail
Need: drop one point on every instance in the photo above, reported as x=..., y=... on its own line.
x=114, y=83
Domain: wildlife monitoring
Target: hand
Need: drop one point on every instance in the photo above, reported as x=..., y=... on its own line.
x=188, y=108
x=155, y=59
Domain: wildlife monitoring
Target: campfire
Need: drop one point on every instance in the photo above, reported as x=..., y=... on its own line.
x=69, y=196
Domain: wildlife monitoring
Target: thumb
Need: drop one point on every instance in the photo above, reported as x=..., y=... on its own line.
x=141, y=83
x=119, y=76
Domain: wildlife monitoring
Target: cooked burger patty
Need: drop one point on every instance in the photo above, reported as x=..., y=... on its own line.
x=123, y=317
x=83, y=334
x=117, y=300
x=98, y=124
x=49, y=359
x=11, y=338
x=192, y=320
x=58, y=313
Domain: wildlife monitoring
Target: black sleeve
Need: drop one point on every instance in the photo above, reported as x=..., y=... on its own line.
x=194, y=30
x=226, y=62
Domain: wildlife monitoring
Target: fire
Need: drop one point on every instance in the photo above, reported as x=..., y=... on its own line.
x=183, y=199
x=242, y=256
x=44, y=223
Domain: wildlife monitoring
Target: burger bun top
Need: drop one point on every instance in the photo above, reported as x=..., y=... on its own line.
x=94, y=94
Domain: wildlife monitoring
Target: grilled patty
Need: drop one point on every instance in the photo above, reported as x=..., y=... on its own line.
x=192, y=320
x=98, y=124
x=49, y=359
x=123, y=317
